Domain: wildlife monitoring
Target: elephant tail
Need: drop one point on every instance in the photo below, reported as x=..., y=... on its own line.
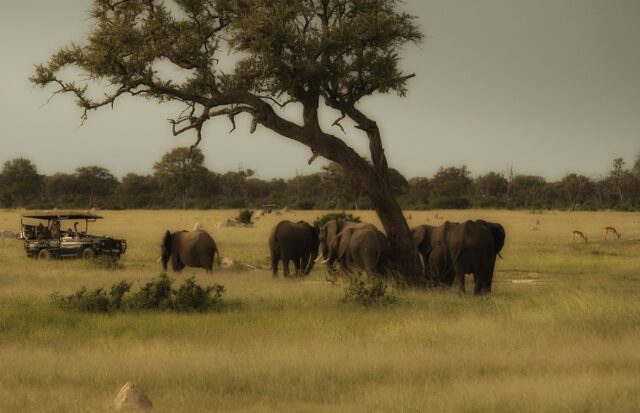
x=214, y=257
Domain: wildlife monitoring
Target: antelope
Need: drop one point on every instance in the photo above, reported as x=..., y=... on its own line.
x=577, y=235
x=611, y=231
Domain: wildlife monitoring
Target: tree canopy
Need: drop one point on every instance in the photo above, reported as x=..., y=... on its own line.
x=255, y=57
x=284, y=52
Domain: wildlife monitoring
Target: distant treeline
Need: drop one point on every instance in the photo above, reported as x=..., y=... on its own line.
x=180, y=180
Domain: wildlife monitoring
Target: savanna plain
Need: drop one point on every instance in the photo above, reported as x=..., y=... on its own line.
x=560, y=332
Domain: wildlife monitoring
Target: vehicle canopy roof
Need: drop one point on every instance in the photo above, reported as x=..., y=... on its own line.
x=61, y=215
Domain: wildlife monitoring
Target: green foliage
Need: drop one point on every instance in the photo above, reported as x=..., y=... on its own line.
x=338, y=216
x=244, y=216
x=95, y=184
x=306, y=204
x=449, y=202
x=20, y=183
x=367, y=294
x=451, y=182
x=192, y=297
x=94, y=301
x=179, y=171
x=332, y=188
x=155, y=295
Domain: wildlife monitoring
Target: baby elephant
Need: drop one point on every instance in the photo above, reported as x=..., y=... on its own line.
x=188, y=249
x=297, y=242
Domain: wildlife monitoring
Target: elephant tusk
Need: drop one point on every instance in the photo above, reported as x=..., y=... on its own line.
x=326, y=260
x=318, y=259
x=500, y=256
x=158, y=260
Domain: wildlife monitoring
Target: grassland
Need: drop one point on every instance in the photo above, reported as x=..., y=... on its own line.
x=560, y=333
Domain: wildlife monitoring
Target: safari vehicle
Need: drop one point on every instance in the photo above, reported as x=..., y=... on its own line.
x=51, y=241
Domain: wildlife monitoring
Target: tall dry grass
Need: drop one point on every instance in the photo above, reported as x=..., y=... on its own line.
x=560, y=332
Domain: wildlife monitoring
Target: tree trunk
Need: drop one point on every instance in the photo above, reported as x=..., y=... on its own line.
x=405, y=256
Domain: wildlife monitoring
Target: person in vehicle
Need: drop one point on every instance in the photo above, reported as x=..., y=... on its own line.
x=54, y=228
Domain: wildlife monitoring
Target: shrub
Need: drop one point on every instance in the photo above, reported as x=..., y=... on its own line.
x=155, y=295
x=450, y=202
x=245, y=216
x=95, y=301
x=192, y=297
x=367, y=294
x=339, y=216
x=306, y=204
x=490, y=202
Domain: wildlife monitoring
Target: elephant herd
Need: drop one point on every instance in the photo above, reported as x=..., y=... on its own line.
x=354, y=246
x=452, y=250
x=448, y=251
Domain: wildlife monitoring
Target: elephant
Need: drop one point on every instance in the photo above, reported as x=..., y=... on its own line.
x=472, y=247
x=297, y=242
x=439, y=265
x=426, y=238
x=328, y=234
x=188, y=249
x=360, y=247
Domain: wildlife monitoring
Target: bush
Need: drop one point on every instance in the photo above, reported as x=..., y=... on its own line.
x=367, y=294
x=244, y=217
x=490, y=202
x=450, y=202
x=339, y=216
x=192, y=297
x=155, y=295
x=306, y=204
x=95, y=301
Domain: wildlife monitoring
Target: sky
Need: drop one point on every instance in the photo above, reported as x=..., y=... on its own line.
x=549, y=87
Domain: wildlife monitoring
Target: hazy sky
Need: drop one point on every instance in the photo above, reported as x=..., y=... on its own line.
x=550, y=86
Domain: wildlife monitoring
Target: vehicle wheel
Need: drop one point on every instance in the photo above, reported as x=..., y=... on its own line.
x=44, y=255
x=88, y=254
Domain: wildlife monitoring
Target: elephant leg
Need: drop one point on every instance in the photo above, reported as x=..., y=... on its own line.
x=274, y=266
x=489, y=277
x=459, y=276
x=178, y=266
x=296, y=266
x=208, y=264
x=425, y=264
x=285, y=267
x=479, y=282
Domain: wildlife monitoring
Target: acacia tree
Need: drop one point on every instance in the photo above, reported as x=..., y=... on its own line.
x=275, y=53
x=95, y=182
x=20, y=183
x=179, y=170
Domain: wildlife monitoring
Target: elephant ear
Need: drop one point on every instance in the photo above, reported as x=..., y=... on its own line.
x=342, y=242
x=446, y=227
x=498, y=236
x=331, y=230
x=497, y=231
x=418, y=234
x=166, y=242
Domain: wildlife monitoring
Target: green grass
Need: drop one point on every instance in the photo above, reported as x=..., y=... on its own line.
x=559, y=333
